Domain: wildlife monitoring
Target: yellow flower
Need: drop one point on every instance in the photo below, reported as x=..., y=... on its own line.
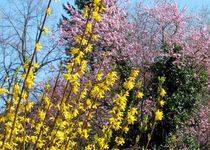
x=8, y=146
x=74, y=51
x=115, y=123
x=38, y=46
x=89, y=27
x=96, y=16
x=75, y=112
x=139, y=95
x=24, y=96
x=45, y=30
x=80, y=40
x=97, y=92
x=95, y=37
x=96, y=3
x=85, y=14
x=89, y=103
x=25, y=65
x=83, y=133
x=75, y=87
x=119, y=141
x=121, y=101
x=162, y=103
x=133, y=110
x=88, y=48
x=128, y=85
x=30, y=79
x=162, y=92
x=83, y=93
x=29, y=106
x=98, y=76
x=134, y=73
x=125, y=129
x=40, y=144
x=67, y=76
x=102, y=143
x=111, y=77
x=16, y=91
x=84, y=41
x=83, y=67
x=41, y=114
x=103, y=9
x=90, y=147
x=89, y=116
x=60, y=135
x=3, y=91
x=48, y=11
x=46, y=100
x=19, y=139
x=131, y=115
x=69, y=67
x=158, y=115
x=36, y=65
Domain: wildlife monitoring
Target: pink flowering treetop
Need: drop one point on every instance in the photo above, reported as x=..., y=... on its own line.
x=165, y=26
x=112, y=32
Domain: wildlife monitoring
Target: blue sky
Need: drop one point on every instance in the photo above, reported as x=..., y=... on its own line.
x=58, y=9
x=193, y=3
x=190, y=4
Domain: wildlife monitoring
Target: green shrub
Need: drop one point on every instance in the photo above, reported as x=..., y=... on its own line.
x=185, y=84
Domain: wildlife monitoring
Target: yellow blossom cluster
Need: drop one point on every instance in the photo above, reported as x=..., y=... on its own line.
x=67, y=123
x=16, y=119
x=161, y=93
x=158, y=115
x=119, y=141
x=81, y=106
x=117, y=114
x=161, y=102
x=29, y=75
x=3, y=91
x=38, y=46
x=131, y=115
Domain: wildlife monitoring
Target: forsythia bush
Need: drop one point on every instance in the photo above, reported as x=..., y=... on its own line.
x=70, y=122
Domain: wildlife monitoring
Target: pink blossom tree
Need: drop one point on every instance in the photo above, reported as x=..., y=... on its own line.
x=160, y=30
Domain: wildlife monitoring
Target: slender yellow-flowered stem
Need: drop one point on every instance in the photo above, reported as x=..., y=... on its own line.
x=27, y=74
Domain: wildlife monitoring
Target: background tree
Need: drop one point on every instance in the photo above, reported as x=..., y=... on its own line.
x=18, y=35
